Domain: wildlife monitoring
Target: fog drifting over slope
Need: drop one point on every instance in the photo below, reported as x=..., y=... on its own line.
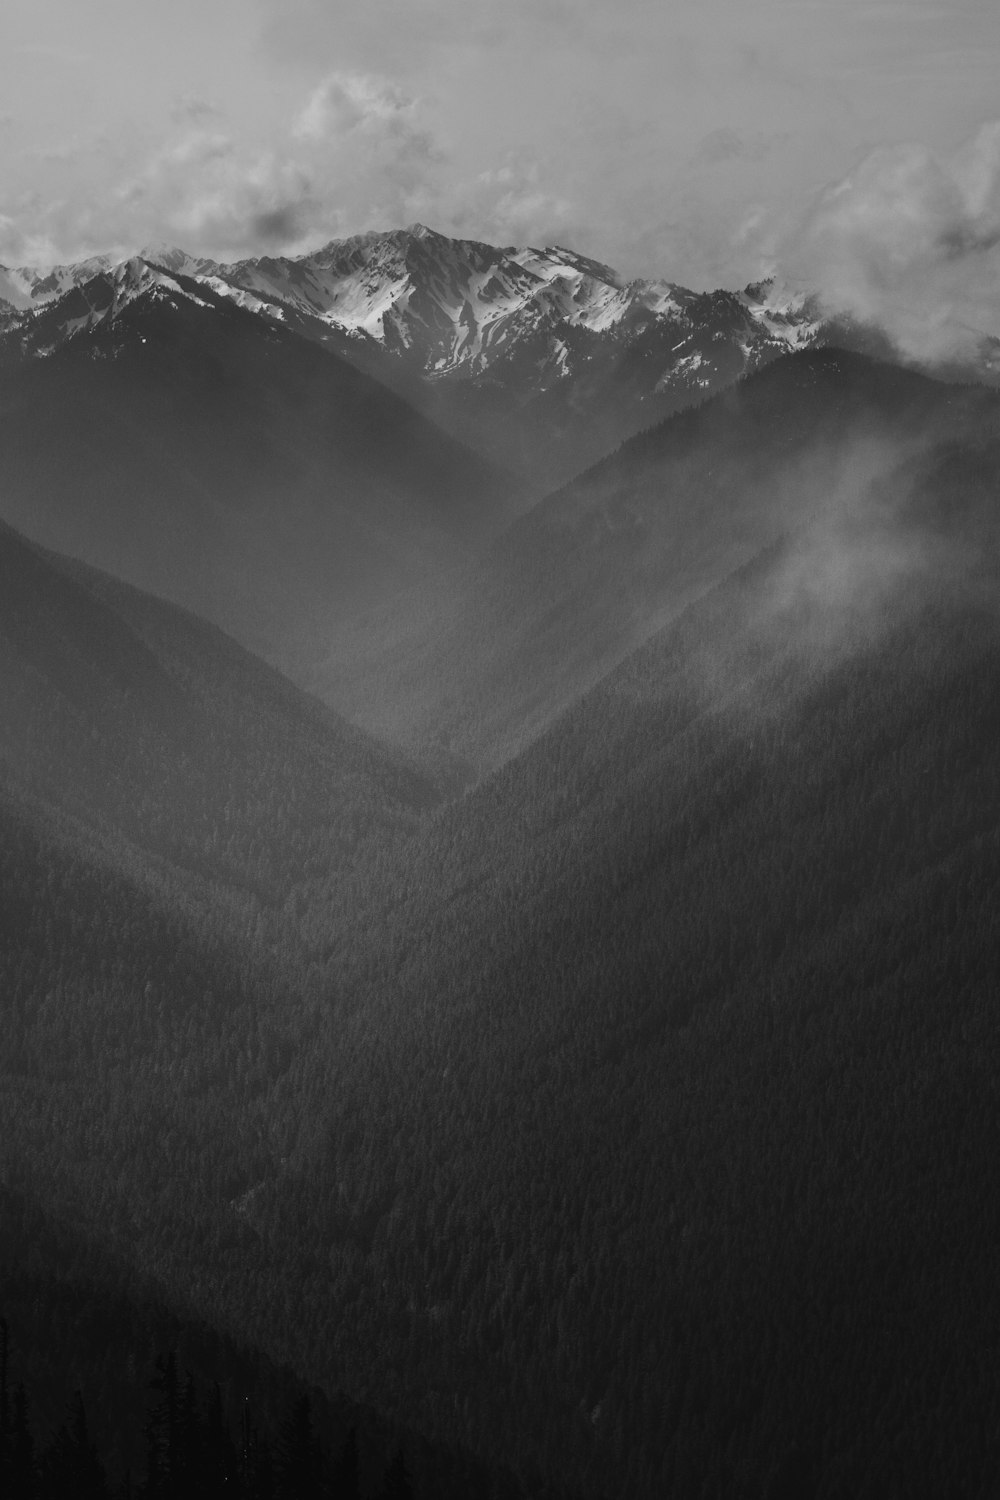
x=910, y=241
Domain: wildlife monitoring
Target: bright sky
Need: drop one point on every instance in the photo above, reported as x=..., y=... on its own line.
x=692, y=139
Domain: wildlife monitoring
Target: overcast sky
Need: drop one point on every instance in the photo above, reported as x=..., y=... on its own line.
x=694, y=139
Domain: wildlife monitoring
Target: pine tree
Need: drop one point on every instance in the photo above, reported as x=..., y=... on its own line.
x=22, y=1484
x=256, y=1469
x=71, y=1466
x=347, y=1472
x=220, y=1466
x=163, y=1458
x=4, y=1404
x=190, y=1455
x=398, y=1485
x=299, y=1461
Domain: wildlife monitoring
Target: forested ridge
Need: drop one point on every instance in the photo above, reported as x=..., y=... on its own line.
x=706, y=1016
x=136, y=716
x=486, y=658
x=231, y=465
x=628, y=1119
x=105, y=1390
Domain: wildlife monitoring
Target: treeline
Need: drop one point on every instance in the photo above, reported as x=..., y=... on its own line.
x=103, y=1379
x=193, y=1451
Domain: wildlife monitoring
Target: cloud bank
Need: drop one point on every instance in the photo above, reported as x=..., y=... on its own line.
x=910, y=242
x=359, y=152
x=676, y=141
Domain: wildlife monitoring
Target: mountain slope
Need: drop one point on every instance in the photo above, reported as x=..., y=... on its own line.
x=462, y=307
x=686, y=1016
x=596, y=567
x=639, y=1122
x=80, y=1322
x=141, y=723
x=634, y=1117
x=212, y=456
x=163, y=798
x=542, y=358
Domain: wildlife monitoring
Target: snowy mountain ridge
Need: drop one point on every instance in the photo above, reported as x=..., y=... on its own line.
x=456, y=307
x=540, y=359
x=74, y=301
x=448, y=307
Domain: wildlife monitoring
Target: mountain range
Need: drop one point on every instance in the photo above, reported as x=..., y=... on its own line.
x=487, y=658
x=156, y=428
x=510, y=941
x=543, y=358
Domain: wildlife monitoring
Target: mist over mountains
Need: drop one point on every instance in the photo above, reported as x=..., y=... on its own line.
x=542, y=358
x=500, y=858
x=154, y=427
x=596, y=567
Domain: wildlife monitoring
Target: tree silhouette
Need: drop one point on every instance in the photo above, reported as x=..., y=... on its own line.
x=4, y=1401
x=163, y=1433
x=22, y=1484
x=398, y=1485
x=346, y=1474
x=70, y=1465
x=299, y=1466
x=219, y=1465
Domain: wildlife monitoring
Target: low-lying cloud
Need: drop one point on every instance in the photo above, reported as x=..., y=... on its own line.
x=910, y=242
x=852, y=544
x=360, y=152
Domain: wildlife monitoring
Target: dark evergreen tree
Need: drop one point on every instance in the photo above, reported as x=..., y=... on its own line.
x=259, y=1481
x=163, y=1446
x=299, y=1466
x=23, y=1475
x=4, y=1403
x=347, y=1471
x=220, y=1465
x=398, y=1485
x=190, y=1440
x=71, y=1466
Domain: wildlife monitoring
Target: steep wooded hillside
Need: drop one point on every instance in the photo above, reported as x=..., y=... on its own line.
x=631, y=1119
x=688, y=1015
x=223, y=461
x=485, y=659
x=142, y=720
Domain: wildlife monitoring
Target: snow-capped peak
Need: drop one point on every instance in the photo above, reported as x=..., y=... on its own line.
x=787, y=313
x=15, y=287
x=178, y=261
x=455, y=304
x=89, y=301
x=49, y=285
x=453, y=308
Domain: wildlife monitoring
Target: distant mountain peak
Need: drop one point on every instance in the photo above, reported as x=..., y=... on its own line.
x=451, y=306
x=575, y=354
x=87, y=302
x=174, y=259
x=464, y=308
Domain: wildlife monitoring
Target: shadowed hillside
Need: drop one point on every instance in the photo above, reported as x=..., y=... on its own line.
x=483, y=661
x=630, y=1119
x=225, y=462
x=694, y=1002
x=137, y=717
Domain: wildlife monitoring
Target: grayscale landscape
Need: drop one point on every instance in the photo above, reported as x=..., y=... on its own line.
x=499, y=750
